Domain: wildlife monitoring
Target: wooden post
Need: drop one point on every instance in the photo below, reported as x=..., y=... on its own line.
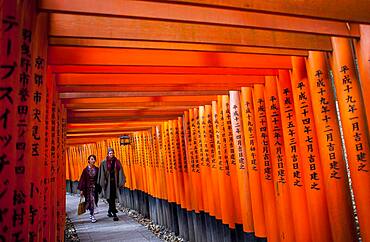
x=315, y=188
x=10, y=41
x=278, y=159
x=334, y=169
x=355, y=131
x=253, y=164
x=264, y=155
x=241, y=164
x=294, y=165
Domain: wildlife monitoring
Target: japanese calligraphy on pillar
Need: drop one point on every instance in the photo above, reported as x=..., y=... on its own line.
x=22, y=173
x=334, y=170
x=9, y=74
x=353, y=104
x=291, y=131
x=261, y=126
x=277, y=149
x=305, y=115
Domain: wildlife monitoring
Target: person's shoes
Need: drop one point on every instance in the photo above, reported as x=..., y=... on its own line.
x=115, y=218
x=110, y=214
x=90, y=216
x=93, y=220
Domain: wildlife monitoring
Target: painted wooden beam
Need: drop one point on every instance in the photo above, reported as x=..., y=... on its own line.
x=154, y=30
x=135, y=57
x=354, y=11
x=141, y=79
x=123, y=119
x=199, y=14
x=78, y=105
x=91, y=69
x=137, y=44
x=67, y=95
x=144, y=88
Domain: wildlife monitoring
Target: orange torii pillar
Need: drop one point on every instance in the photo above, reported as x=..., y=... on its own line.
x=355, y=131
x=241, y=164
x=278, y=160
x=315, y=187
x=334, y=168
x=10, y=38
x=362, y=47
x=264, y=155
x=294, y=164
x=253, y=164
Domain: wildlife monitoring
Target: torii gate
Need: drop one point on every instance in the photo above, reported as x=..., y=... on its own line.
x=231, y=108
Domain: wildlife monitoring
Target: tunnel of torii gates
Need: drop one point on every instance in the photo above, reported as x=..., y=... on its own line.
x=245, y=120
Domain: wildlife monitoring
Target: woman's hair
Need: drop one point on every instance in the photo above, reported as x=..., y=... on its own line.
x=110, y=149
x=91, y=156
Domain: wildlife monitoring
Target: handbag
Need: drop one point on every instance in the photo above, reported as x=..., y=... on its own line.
x=81, y=206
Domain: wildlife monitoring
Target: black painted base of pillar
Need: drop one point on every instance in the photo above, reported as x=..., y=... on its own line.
x=189, y=225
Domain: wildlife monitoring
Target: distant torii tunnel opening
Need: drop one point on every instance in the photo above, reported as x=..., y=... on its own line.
x=246, y=121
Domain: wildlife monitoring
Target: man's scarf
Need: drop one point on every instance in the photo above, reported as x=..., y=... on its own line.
x=109, y=163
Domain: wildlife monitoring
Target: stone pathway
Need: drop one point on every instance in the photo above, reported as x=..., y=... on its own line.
x=105, y=229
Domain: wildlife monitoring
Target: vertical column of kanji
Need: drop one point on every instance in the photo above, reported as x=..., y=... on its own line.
x=185, y=167
x=63, y=157
x=218, y=163
x=228, y=205
x=241, y=164
x=334, y=168
x=9, y=72
x=356, y=136
x=193, y=156
x=202, y=158
x=179, y=168
x=264, y=155
x=208, y=153
x=190, y=159
x=52, y=206
x=46, y=165
x=253, y=163
x=60, y=173
x=228, y=139
x=148, y=152
x=315, y=190
x=137, y=162
x=149, y=143
x=275, y=132
x=294, y=165
x=145, y=161
x=164, y=161
x=198, y=152
x=155, y=163
x=213, y=179
x=23, y=172
x=138, y=149
x=174, y=161
x=161, y=172
x=169, y=163
x=37, y=123
x=362, y=47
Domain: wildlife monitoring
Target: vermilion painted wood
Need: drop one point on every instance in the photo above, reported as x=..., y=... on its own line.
x=137, y=79
x=340, y=10
x=131, y=69
x=135, y=57
x=198, y=14
x=154, y=30
x=165, y=45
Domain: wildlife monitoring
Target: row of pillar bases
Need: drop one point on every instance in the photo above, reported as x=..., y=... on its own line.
x=188, y=225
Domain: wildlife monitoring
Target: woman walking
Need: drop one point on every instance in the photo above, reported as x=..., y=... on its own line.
x=88, y=185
